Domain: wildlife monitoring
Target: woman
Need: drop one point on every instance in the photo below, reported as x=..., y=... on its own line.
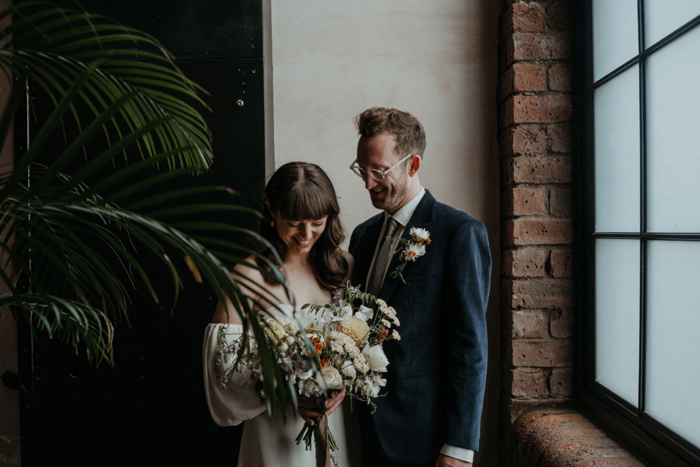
x=301, y=220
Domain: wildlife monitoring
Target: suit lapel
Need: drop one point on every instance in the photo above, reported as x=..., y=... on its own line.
x=366, y=251
x=421, y=218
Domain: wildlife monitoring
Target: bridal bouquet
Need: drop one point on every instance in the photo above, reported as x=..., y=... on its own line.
x=330, y=347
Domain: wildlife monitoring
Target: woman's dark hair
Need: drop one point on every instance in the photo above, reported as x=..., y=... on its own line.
x=299, y=191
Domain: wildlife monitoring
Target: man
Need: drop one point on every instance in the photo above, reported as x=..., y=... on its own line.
x=430, y=413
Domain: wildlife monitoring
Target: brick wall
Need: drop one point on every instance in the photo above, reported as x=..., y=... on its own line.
x=535, y=109
x=535, y=146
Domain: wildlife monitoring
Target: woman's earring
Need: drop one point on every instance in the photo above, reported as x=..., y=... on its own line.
x=272, y=223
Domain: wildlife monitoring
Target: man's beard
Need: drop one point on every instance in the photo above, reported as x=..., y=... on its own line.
x=399, y=191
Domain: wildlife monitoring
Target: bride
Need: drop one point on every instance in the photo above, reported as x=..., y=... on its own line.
x=301, y=220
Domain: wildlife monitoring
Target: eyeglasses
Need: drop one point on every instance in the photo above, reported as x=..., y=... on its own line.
x=376, y=174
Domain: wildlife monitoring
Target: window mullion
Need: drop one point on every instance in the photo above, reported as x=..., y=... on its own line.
x=643, y=211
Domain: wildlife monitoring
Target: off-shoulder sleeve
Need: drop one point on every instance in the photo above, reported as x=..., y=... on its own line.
x=238, y=401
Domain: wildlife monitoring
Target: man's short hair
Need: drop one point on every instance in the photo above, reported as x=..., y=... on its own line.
x=408, y=131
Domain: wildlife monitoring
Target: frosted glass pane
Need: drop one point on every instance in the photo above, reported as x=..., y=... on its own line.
x=617, y=154
x=673, y=125
x=617, y=316
x=662, y=17
x=673, y=347
x=615, y=37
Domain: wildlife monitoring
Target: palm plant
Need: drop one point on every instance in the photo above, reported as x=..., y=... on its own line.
x=82, y=221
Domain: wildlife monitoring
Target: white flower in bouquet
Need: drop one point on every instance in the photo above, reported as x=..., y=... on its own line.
x=348, y=369
x=369, y=389
x=355, y=327
x=364, y=313
x=342, y=313
x=310, y=388
x=291, y=328
x=376, y=358
x=379, y=381
x=331, y=378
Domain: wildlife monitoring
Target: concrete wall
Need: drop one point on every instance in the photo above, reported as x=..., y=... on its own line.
x=438, y=60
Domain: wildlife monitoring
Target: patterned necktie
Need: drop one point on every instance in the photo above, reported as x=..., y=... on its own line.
x=382, y=259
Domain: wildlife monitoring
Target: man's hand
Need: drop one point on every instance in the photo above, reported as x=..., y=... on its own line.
x=309, y=411
x=447, y=461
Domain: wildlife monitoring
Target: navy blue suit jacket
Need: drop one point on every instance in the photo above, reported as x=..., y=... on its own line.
x=437, y=371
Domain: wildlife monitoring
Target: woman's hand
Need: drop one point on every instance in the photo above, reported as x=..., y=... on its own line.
x=309, y=410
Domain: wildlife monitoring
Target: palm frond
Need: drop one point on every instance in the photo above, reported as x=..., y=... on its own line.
x=86, y=223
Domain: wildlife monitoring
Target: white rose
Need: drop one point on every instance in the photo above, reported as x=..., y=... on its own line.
x=331, y=378
x=375, y=357
x=348, y=369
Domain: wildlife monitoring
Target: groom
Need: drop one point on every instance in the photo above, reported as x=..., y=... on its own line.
x=431, y=412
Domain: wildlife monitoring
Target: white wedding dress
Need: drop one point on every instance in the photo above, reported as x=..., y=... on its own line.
x=270, y=442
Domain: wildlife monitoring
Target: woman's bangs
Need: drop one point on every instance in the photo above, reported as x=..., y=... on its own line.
x=309, y=202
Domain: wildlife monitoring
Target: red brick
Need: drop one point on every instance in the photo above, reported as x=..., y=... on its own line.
x=562, y=326
x=529, y=324
x=559, y=76
x=543, y=108
x=559, y=138
x=625, y=462
x=537, y=294
x=578, y=430
x=525, y=201
x=558, y=16
x=560, y=384
x=524, y=263
x=519, y=408
x=557, y=454
x=541, y=422
x=528, y=383
x=560, y=202
x=526, y=231
x=606, y=452
x=523, y=77
x=524, y=140
x=541, y=169
x=542, y=353
x=560, y=263
x=525, y=17
x=559, y=438
x=537, y=46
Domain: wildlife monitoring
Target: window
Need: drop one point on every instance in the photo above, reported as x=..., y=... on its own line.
x=638, y=213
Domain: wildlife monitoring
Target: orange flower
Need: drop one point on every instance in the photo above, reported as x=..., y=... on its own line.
x=426, y=241
x=324, y=362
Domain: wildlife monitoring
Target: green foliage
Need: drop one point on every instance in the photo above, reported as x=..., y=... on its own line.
x=85, y=222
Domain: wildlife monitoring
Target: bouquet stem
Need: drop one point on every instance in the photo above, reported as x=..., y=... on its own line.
x=324, y=441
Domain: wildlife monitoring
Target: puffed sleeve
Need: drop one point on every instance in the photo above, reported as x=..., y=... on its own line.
x=238, y=401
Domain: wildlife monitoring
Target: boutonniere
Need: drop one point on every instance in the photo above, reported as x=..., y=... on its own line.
x=410, y=249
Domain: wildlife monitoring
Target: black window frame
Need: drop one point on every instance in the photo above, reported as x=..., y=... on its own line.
x=646, y=438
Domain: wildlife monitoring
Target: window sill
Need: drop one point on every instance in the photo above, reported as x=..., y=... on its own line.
x=564, y=437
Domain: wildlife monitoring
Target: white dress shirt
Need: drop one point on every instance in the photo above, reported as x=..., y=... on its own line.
x=403, y=216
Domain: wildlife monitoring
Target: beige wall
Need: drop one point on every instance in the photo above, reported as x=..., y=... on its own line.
x=436, y=59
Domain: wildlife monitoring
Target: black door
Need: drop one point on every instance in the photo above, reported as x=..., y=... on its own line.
x=150, y=408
